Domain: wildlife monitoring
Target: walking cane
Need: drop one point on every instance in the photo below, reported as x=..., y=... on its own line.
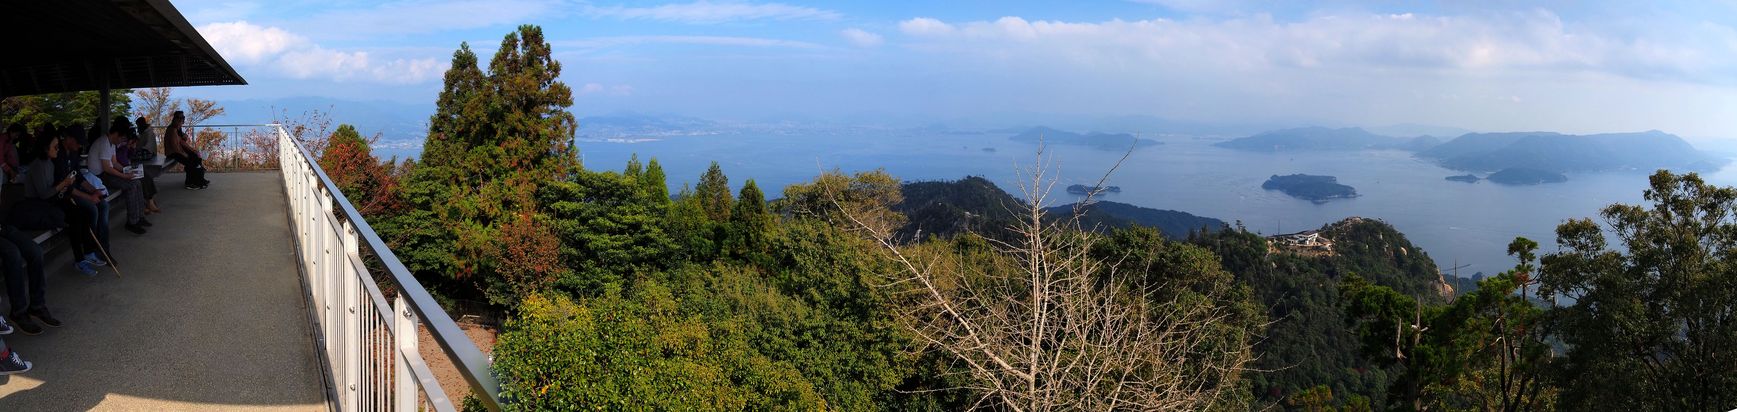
x=99, y=244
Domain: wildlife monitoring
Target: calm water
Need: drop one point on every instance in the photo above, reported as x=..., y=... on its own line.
x=1470, y=223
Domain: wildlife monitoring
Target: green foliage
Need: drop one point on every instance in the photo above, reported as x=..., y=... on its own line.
x=713, y=193
x=369, y=183
x=61, y=109
x=1308, y=343
x=496, y=140
x=1652, y=319
x=836, y=198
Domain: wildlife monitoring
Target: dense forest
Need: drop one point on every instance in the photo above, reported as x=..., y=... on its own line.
x=856, y=291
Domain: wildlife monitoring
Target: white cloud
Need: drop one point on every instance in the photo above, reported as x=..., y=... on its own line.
x=861, y=38
x=704, y=11
x=924, y=26
x=623, y=41
x=1521, y=41
x=292, y=55
x=430, y=16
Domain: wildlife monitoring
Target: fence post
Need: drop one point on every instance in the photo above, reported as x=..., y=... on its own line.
x=352, y=316
x=404, y=326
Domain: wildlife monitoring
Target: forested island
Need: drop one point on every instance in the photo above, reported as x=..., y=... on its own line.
x=1318, y=189
x=1082, y=190
x=1521, y=176
x=1643, y=151
x=1467, y=178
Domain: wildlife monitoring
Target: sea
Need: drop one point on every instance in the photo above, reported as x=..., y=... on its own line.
x=1461, y=225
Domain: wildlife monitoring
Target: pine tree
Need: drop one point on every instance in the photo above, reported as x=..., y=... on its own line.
x=714, y=193
x=654, y=184
x=496, y=138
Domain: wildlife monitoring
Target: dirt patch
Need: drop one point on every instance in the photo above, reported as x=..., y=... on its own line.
x=443, y=368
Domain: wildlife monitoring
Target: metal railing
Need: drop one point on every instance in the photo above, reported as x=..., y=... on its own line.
x=369, y=345
x=231, y=146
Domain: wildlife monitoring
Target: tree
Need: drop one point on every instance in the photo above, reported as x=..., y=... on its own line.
x=61, y=109
x=1041, y=324
x=497, y=140
x=369, y=183
x=1653, y=324
x=713, y=193
x=865, y=199
x=653, y=182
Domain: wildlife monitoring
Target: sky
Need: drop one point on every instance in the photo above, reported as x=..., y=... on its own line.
x=1569, y=66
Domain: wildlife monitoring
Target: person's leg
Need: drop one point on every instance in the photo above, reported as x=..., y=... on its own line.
x=17, y=297
x=32, y=255
x=101, y=224
x=131, y=195
x=198, y=170
x=10, y=362
x=186, y=169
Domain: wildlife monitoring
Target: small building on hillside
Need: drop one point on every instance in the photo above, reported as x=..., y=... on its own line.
x=1304, y=241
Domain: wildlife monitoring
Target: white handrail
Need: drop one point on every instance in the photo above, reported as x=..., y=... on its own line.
x=369, y=346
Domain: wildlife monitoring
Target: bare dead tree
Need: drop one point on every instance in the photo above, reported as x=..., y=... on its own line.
x=1050, y=327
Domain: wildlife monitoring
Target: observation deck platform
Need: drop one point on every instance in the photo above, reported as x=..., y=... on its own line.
x=208, y=312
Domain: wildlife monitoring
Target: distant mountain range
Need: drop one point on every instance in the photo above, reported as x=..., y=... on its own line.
x=1556, y=152
x=1102, y=141
x=1322, y=139
x=397, y=123
x=1489, y=152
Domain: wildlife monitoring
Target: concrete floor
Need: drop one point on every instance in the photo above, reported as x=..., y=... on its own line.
x=207, y=313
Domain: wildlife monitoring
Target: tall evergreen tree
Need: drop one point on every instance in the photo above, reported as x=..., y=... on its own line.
x=496, y=138
x=714, y=194
x=653, y=182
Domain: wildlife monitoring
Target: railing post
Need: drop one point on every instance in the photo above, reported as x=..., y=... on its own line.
x=405, y=398
x=352, y=316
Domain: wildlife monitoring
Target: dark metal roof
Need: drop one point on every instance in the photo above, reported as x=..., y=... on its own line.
x=56, y=46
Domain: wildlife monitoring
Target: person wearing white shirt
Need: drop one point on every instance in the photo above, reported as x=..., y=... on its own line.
x=101, y=161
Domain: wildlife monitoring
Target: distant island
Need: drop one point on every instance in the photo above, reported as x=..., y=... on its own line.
x=1520, y=176
x=1556, y=152
x=1096, y=140
x=1468, y=178
x=1318, y=189
x=1086, y=190
x=1326, y=139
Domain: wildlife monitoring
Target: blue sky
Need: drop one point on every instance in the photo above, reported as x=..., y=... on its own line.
x=1573, y=66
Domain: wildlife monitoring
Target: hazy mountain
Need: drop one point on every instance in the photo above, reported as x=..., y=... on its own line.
x=1558, y=152
x=1322, y=138
x=1414, y=130
x=1104, y=141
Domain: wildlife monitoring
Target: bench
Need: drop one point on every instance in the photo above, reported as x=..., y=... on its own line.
x=154, y=168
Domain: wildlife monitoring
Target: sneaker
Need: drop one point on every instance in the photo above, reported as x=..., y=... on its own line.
x=12, y=364
x=95, y=261
x=27, y=326
x=46, y=318
x=192, y=187
x=136, y=229
x=145, y=223
x=84, y=267
x=5, y=328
